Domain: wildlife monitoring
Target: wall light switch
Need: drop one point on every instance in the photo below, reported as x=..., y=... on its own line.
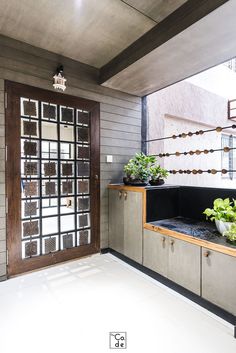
x=109, y=159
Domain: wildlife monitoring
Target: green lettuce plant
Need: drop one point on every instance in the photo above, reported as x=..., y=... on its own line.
x=138, y=168
x=223, y=210
x=231, y=234
x=156, y=173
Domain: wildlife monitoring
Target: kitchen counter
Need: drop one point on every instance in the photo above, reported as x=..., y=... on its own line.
x=124, y=187
x=162, y=212
x=196, y=232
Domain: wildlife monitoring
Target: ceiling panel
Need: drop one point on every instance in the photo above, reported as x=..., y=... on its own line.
x=156, y=9
x=206, y=43
x=90, y=31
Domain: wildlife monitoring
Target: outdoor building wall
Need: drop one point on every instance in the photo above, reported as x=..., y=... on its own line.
x=185, y=107
x=202, y=161
x=120, y=115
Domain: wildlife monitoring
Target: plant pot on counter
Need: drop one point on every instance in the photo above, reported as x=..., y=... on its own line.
x=126, y=180
x=222, y=226
x=138, y=182
x=156, y=182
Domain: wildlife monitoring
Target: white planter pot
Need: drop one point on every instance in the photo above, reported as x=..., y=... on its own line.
x=222, y=226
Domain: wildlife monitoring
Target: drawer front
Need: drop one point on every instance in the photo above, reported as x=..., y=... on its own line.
x=219, y=279
x=155, y=251
x=185, y=264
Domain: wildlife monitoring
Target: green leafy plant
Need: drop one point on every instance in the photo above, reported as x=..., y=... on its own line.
x=138, y=168
x=231, y=234
x=156, y=172
x=223, y=210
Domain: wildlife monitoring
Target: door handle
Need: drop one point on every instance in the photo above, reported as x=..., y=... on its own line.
x=120, y=194
x=163, y=239
x=125, y=195
x=172, y=242
x=206, y=253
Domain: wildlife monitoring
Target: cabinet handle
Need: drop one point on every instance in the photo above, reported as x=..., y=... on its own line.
x=125, y=195
x=206, y=253
x=163, y=239
x=120, y=194
x=172, y=242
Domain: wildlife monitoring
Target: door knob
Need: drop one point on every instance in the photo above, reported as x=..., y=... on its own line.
x=125, y=195
x=206, y=253
x=120, y=194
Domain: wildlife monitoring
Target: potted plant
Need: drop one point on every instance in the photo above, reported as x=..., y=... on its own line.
x=223, y=213
x=157, y=175
x=138, y=169
x=231, y=234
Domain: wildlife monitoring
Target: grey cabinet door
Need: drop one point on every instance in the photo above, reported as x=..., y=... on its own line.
x=133, y=225
x=155, y=251
x=184, y=265
x=219, y=279
x=116, y=220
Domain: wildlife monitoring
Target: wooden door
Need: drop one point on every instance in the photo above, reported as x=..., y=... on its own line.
x=52, y=177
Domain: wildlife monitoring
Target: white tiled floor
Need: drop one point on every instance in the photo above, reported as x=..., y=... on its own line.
x=72, y=308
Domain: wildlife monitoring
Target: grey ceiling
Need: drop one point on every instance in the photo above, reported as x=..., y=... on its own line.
x=206, y=43
x=90, y=31
x=156, y=10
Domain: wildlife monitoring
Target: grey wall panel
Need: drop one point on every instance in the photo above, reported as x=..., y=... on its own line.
x=114, y=109
x=120, y=116
x=123, y=126
x=119, y=135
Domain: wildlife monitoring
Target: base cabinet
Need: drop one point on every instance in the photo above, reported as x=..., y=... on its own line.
x=125, y=223
x=207, y=273
x=116, y=221
x=219, y=279
x=155, y=252
x=175, y=259
x=184, y=264
x=133, y=225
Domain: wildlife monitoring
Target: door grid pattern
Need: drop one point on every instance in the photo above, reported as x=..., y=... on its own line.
x=55, y=178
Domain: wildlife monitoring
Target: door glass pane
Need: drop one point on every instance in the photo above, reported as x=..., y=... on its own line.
x=49, y=131
x=49, y=111
x=66, y=133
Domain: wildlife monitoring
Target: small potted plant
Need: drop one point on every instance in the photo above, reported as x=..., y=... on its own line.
x=223, y=213
x=231, y=234
x=137, y=170
x=157, y=175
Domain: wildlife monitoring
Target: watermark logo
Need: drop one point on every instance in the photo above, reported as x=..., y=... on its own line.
x=118, y=340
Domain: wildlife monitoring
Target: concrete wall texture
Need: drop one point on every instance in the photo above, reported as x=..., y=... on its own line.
x=185, y=107
x=120, y=115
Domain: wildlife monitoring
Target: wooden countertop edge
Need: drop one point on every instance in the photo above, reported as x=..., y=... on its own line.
x=206, y=244
x=127, y=188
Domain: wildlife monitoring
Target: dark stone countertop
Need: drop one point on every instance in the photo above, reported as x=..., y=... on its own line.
x=197, y=229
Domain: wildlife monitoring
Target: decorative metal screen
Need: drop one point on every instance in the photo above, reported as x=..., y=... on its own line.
x=55, y=178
